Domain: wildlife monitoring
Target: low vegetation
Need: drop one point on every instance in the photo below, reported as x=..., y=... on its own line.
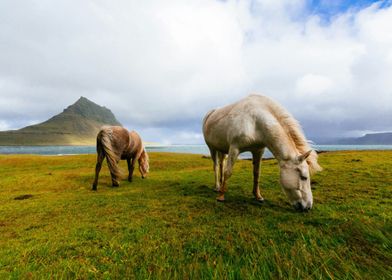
x=169, y=226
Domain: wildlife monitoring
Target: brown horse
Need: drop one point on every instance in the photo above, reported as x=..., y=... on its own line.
x=115, y=143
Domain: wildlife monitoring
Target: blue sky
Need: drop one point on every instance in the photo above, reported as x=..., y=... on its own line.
x=161, y=65
x=328, y=9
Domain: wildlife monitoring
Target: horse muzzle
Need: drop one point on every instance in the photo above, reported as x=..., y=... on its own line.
x=301, y=208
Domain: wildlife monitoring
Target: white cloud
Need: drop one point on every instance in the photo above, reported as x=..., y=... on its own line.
x=4, y=125
x=159, y=66
x=312, y=84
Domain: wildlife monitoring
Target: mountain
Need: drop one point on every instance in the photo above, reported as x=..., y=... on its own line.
x=78, y=124
x=370, y=139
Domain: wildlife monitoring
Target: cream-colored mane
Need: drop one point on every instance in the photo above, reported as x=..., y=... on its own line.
x=294, y=132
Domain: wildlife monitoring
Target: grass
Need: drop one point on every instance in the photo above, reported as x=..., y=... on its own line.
x=169, y=226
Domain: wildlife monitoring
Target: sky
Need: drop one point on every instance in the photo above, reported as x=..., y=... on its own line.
x=161, y=65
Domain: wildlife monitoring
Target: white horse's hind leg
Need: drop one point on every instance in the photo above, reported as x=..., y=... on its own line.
x=256, y=173
x=222, y=160
x=215, y=162
x=233, y=154
x=215, y=158
x=219, y=162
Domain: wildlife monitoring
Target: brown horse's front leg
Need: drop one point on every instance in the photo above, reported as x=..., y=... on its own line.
x=131, y=167
x=233, y=154
x=98, y=166
x=256, y=173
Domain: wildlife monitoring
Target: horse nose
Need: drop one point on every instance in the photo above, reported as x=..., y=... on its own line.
x=299, y=207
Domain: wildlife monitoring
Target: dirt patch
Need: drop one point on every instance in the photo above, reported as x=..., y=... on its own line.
x=23, y=196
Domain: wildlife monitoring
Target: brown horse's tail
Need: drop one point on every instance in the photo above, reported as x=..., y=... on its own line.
x=104, y=145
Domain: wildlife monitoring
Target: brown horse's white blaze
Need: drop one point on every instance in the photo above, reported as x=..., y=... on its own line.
x=115, y=143
x=253, y=124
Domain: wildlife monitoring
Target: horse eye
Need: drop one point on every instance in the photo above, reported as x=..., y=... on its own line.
x=303, y=178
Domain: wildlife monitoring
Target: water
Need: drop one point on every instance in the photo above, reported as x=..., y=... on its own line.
x=48, y=150
x=351, y=147
x=189, y=149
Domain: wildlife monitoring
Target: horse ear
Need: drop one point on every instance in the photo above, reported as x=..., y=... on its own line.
x=304, y=156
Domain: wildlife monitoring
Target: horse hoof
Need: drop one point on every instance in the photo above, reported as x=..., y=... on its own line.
x=217, y=190
x=261, y=200
x=115, y=185
x=94, y=189
x=220, y=198
x=129, y=179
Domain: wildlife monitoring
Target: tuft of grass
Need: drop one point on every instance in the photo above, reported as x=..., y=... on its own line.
x=169, y=226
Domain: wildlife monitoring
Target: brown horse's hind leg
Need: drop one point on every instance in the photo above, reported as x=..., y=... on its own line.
x=115, y=182
x=98, y=166
x=256, y=173
x=131, y=167
x=233, y=154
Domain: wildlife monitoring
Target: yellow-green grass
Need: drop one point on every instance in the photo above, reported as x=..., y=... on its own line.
x=169, y=226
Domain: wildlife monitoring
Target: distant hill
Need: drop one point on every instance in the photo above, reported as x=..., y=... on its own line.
x=370, y=139
x=76, y=125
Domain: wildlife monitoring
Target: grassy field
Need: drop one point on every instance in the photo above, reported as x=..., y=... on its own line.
x=169, y=226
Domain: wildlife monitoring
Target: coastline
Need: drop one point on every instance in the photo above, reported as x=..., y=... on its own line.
x=154, y=147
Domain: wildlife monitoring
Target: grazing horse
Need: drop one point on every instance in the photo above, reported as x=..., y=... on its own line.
x=115, y=143
x=253, y=124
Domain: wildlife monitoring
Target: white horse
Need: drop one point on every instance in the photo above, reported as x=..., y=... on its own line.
x=252, y=124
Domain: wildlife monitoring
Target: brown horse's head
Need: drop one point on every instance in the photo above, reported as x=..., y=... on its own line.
x=144, y=166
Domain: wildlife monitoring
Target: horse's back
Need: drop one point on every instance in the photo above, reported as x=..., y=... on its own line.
x=112, y=130
x=118, y=137
x=136, y=142
x=242, y=123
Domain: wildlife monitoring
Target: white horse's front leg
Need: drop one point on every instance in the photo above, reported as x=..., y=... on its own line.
x=233, y=154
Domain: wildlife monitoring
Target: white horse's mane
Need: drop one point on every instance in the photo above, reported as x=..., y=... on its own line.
x=294, y=131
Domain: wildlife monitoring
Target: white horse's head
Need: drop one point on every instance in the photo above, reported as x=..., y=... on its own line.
x=295, y=180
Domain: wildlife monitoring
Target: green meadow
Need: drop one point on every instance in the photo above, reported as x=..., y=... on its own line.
x=169, y=226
